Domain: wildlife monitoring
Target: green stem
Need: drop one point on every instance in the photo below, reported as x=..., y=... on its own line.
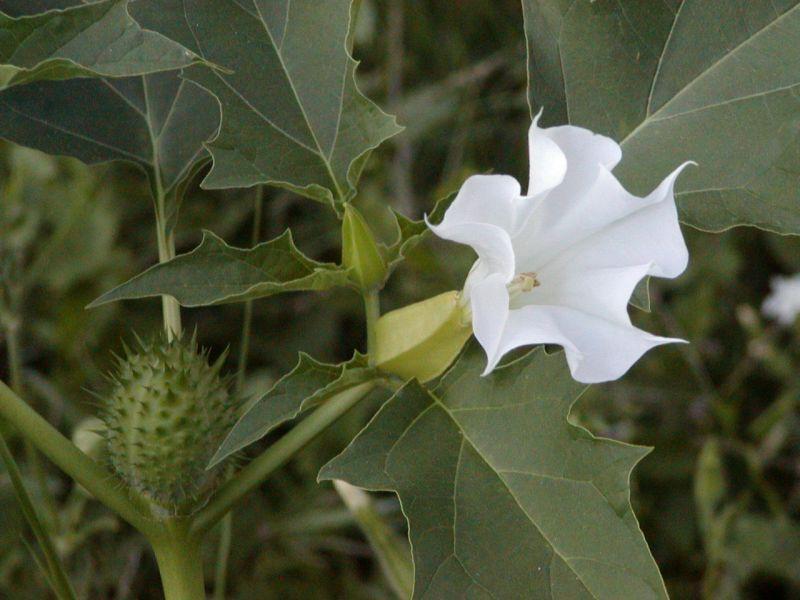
x=224, y=548
x=247, y=321
x=166, y=251
x=125, y=502
x=276, y=455
x=180, y=561
x=372, y=310
x=54, y=567
x=394, y=554
x=223, y=552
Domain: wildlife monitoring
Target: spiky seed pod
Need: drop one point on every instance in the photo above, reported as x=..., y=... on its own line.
x=165, y=416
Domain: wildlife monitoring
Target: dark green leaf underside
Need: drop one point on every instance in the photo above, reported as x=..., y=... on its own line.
x=83, y=40
x=216, y=273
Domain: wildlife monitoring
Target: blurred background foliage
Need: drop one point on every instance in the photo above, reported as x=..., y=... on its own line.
x=718, y=498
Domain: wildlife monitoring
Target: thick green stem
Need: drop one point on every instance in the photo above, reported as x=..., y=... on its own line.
x=394, y=554
x=223, y=553
x=180, y=561
x=372, y=310
x=276, y=455
x=126, y=503
x=166, y=251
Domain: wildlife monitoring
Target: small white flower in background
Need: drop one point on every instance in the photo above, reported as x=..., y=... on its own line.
x=559, y=264
x=783, y=303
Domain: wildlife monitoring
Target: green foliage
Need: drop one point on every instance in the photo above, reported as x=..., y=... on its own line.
x=307, y=385
x=710, y=81
x=714, y=82
x=292, y=113
x=167, y=408
x=216, y=273
x=360, y=251
x=157, y=121
x=476, y=485
x=80, y=41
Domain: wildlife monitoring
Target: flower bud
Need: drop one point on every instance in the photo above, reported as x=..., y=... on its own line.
x=88, y=437
x=360, y=251
x=421, y=340
x=164, y=419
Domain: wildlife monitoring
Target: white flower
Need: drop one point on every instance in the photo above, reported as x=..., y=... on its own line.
x=783, y=304
x=559, y=264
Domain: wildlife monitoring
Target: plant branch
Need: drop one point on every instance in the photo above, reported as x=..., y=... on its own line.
x=180, y=561
x=276, y=455
x=372, y=311
x=129, y=505
x=247, y=321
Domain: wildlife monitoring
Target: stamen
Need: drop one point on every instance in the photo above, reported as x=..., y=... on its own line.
x=522, y=283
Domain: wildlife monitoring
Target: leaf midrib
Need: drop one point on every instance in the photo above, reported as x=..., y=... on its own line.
x=279, y=54
x=465, y=438
x=652, y=117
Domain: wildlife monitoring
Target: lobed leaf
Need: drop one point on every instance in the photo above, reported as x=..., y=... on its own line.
x=292, y=113
x=157, y=120
x=80, y=40
x=411, y=232
x=307, y=385
x=216, y=273
x=715, y=82
x=503, y=496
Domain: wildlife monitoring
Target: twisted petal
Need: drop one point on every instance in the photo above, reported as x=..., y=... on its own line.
x=603, y=292
x=489, y=301
x=597, y=350
x=547, y=161
x=481, y=216
x=605, y=226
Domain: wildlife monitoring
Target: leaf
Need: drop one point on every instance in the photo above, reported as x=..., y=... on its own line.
x=80, y=41
x=503, y=496
x=157, y=121
x=292, y=113
x=410, y=232
x=216, y=273
x=715, y=82
x=310, y=383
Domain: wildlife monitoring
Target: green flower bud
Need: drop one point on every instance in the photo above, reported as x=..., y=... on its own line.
x=421, y=340
x=360, y=251
x=165, y=416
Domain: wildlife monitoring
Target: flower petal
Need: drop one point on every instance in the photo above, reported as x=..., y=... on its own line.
x=597, y=350
x=493, y=245
x=548, y=164
x=482, y=216
x=489, y=303
x=485, y=199
x=604, y=227
x=603, y=292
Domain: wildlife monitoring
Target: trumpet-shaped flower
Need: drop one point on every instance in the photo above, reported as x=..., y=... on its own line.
x=558, y=265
